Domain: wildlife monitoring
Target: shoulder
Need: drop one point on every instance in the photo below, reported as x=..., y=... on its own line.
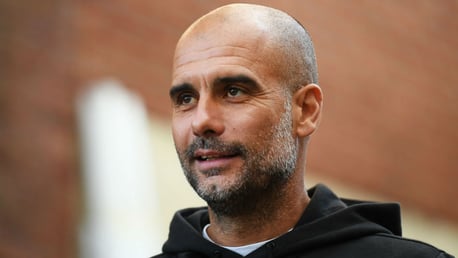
x=398, y=246
x=380, y=245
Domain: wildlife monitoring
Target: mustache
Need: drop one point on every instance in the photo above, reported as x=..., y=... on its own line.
x=216, y=144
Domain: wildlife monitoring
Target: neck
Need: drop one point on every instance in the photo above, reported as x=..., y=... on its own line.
x=271, y=217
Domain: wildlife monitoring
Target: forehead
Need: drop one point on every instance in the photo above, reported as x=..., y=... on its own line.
x=215, y=61
x=236, y=52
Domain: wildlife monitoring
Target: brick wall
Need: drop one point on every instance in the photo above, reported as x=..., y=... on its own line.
x=387, y=69
x=38, y=162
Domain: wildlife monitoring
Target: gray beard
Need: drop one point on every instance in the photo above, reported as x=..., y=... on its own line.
x=264, y=174
x=249, y=197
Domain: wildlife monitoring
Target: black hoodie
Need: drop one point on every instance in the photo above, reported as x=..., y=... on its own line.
x=329, y=227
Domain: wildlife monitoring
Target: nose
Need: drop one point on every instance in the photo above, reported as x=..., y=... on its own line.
x=207, y=120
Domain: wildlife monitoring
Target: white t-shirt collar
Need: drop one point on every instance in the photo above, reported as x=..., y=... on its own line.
x=243, y=250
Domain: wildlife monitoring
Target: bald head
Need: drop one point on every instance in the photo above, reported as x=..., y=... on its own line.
x=276, y=33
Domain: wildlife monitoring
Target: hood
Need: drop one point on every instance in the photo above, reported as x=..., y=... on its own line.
x=326, y=220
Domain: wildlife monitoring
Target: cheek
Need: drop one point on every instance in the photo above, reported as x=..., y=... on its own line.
x=253, y=126
x=180, y=131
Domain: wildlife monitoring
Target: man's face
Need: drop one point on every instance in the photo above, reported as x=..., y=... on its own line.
x=231, y=119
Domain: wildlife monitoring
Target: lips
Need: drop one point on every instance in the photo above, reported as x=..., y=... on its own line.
x=212, y=156
x=209, y=160
x=205, y=158
x=209, y=155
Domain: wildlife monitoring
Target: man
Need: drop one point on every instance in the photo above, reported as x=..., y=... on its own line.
x=245, y=102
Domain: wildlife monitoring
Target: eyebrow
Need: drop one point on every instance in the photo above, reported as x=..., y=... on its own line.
x=174, y=90
x=237, y=79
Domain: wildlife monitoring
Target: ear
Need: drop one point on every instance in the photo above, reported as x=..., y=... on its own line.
x=307, y=105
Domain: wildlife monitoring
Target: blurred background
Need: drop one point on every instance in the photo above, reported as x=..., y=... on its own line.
x=87, y=163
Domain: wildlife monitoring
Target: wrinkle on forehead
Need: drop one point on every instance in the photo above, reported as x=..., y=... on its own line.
x=210, y=40
x=230, y=44
x=209, y=52
x=251, y=58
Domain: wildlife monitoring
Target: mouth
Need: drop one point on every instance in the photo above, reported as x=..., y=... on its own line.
x=213, y=156
x=211, y=159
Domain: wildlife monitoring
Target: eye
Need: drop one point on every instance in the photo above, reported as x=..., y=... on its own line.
x=234, y=91
x=185, y=99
